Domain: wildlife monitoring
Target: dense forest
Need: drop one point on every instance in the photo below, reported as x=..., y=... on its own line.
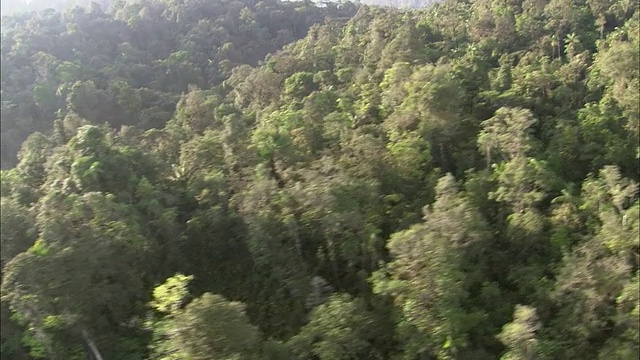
x=11, y=7
x=265, y=179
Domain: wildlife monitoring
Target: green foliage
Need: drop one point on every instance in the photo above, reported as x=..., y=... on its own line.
x=18, y=231
x=519, y=335
x=291, y=157
x=299, y=84
x=169, y=296
x=426, y=274
x=341, y=328
x=506, y=132
x=128, y=64
x=209, y=326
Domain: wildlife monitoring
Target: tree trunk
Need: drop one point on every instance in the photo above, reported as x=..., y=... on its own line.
x=92, y=346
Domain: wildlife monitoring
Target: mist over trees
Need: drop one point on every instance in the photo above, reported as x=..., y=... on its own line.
x=415, y=4
x=15, y=7
x=289, y=180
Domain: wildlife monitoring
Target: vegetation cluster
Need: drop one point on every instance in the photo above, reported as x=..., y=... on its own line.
x=244, y=179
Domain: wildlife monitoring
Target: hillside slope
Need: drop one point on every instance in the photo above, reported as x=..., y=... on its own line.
x=128, y=66
x=453, y=182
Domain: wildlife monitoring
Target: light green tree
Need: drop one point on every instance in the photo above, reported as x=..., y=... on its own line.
x=208, y=327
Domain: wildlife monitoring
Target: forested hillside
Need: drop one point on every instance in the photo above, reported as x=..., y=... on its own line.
x=15, y=7
x=129, y=66
x=415, y=4
x=279, y=180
